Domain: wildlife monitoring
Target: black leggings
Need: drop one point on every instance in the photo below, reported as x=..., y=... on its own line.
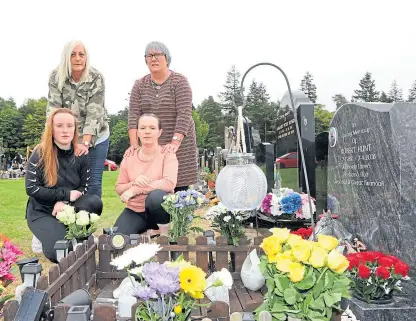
x=49, y=230
x=131, y=222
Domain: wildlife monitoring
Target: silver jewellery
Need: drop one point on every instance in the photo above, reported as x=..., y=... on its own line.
x=156, y=87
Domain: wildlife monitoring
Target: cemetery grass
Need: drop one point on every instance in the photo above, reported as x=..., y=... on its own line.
x=13, y=200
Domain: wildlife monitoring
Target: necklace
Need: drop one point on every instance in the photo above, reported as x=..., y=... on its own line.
x=151, y=158
x=156, y=88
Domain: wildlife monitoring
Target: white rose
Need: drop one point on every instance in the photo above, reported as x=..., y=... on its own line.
x=227, y=218
x=240, y=218
x=83, y=218
x=62, y=217
x=94, y=218
x=69, y=210
x=71, y=218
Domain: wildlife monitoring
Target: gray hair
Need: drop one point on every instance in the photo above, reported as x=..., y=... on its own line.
x=64, y=70
x=160, y=47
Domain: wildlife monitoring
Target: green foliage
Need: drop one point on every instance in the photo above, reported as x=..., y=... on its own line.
x=231, y=95
x=395, y=93
x=11, y=130
x=322, y=119
x=412, y=93
x=384, y=98
x=34, y=122
x=201, y=128
x=210, y=112
x=367, y=91
x=339, y=100
x=119, y=141
x=308, y=87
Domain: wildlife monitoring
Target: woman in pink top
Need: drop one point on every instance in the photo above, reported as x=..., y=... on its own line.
x=144, y=179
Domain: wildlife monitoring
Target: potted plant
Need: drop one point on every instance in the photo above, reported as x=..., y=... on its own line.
x=376, y=276
x=181, y=206
x=167, y=291
x=8, y=256
x=79, y=225
x=305, y=280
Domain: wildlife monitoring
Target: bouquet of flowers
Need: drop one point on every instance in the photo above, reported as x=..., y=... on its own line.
x=305, y=233
x=305, y=279
x=8, y=256
x=376, y=275
x=229, y=223
x=166, y=291
x=289, y=202
x=181, y=206
x=79, y=225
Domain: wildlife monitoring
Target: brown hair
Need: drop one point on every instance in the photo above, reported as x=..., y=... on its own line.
x=48, y=153
x=159, y=124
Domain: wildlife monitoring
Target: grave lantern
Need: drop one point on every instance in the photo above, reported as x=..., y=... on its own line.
x=31, y=273
x=210, y=241
x=21, y=263
x=62, y=248
x=79, y=313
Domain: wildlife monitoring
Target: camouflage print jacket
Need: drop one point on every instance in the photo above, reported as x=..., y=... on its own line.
x=85, y=99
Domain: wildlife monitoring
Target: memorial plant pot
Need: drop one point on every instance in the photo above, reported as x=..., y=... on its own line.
x=78, y=241
x=384, y=300
x=174, y=254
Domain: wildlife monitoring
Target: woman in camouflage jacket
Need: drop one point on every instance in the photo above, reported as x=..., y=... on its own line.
x=79, y=87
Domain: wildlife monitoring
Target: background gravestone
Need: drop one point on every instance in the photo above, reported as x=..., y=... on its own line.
x=372, y=174
x=287, y=142
x=321, y=182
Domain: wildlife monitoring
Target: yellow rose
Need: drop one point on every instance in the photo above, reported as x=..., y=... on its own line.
x=301, y=252
x=297, y=271
x=281, y=233
x=294, y=239
x=271, y=247
x=328, y=242
x=337, y=262
x=318, y=256
x=283, y=261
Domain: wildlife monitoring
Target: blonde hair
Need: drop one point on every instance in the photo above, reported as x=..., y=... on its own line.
x=64, y=70
x=48, y=153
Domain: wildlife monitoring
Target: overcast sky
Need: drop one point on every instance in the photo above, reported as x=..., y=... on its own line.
x=337, y=41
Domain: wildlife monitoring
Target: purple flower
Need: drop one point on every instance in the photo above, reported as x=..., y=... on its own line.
x=161, y=278
x=143, y=292
x=190, y=218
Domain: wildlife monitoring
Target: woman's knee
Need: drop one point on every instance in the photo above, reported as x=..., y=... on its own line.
x=90, y=203
x=155, y=199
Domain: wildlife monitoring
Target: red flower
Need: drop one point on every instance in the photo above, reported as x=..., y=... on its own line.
x=401, y=268
x=364, y=271
x=370, y=256
x=386, y=261
x=391, y=257
x=383, y=272
x=354, y=262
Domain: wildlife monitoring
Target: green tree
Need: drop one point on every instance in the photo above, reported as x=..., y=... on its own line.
x=395, y=93
x=384, y=98
x=367, y=91
x=210, y=111
x=119, y=139
x=231, y=95
x=308, y=87
x=11, y=123
x=412, y=93
x=201, y=129
x=322, y=119
x=34, y=114
x=7, y=103
x=339, y=100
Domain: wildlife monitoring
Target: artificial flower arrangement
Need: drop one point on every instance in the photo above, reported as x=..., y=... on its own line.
x=376, y=275
x=8, y=256
x=289, y=202
x=305, y=279
x=181, y=206
x=228, y=223
x=167, y=291
x=79, y=225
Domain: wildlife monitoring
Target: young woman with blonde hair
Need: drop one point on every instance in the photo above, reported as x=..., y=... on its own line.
x=56, y=176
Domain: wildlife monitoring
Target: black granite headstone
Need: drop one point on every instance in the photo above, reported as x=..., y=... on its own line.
x=287, y=147
x=372, y=174
x=321, y=154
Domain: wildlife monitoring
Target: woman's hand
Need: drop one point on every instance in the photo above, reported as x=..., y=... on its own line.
x=142, y=181
x=74, y=195
x=130, y=151
x=171, y=148
x=81, y=149
x=59, y=206
x=130, y=193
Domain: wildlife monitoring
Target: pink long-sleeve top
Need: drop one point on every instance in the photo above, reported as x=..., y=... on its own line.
x=162, y=171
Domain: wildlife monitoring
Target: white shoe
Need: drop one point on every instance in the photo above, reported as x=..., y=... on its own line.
x=36, y=245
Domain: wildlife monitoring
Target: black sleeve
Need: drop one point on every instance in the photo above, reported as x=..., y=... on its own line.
x=35, y=186
x=84, y=173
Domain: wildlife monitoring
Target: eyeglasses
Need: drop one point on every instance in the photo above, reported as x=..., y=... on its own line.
x=156, y=55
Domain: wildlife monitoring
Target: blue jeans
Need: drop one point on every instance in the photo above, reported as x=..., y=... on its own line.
x=98, y=154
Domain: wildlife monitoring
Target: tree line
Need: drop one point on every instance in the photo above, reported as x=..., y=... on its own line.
x=22, y=126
